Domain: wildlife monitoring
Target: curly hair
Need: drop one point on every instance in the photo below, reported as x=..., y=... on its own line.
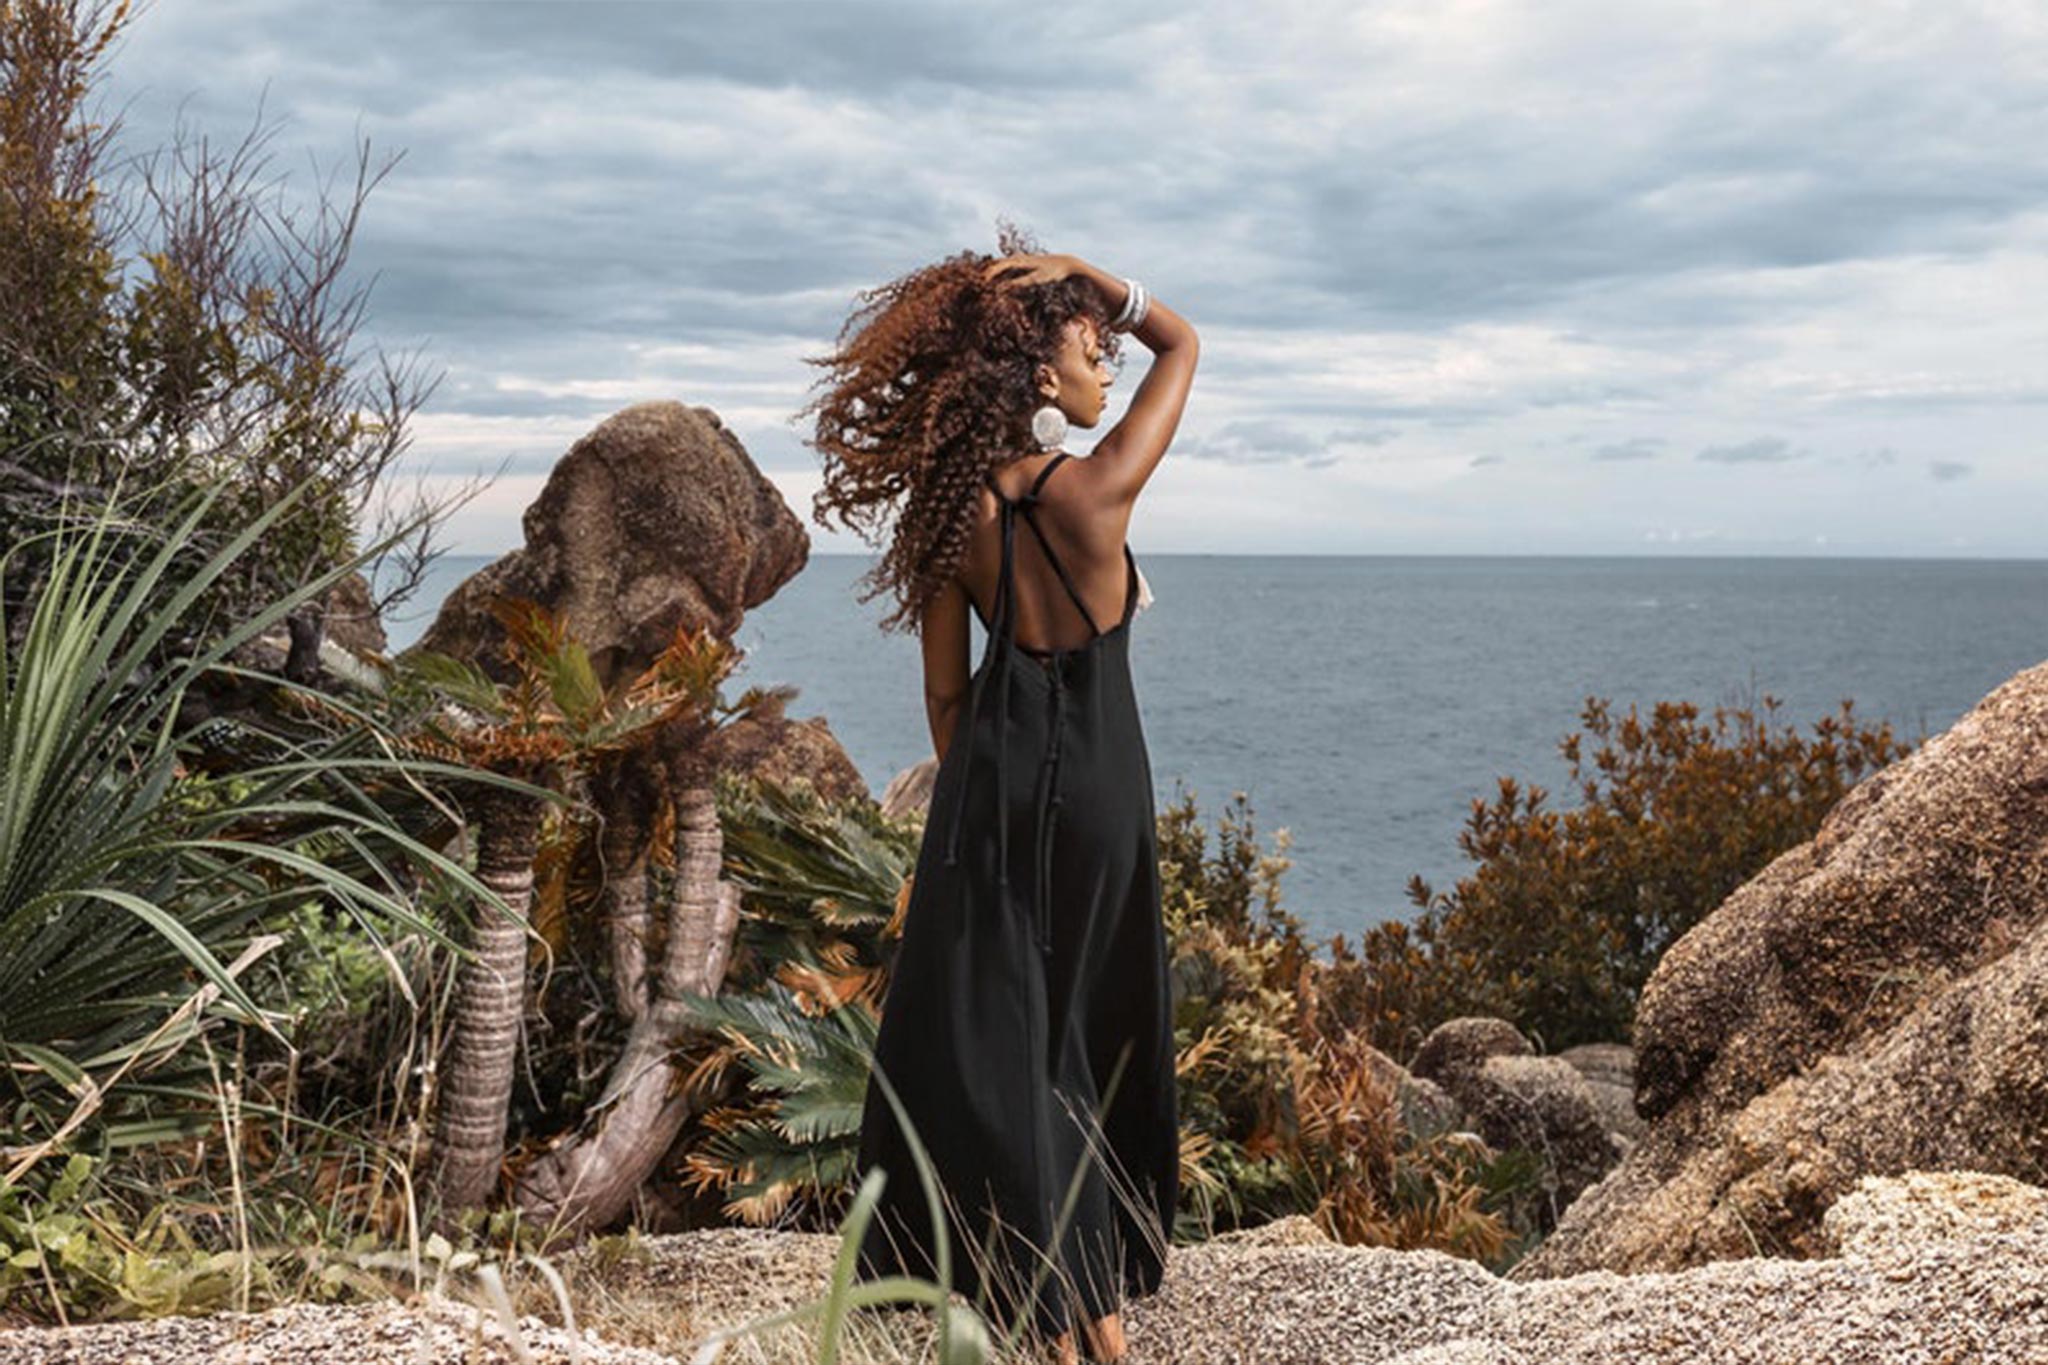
x=931, y=388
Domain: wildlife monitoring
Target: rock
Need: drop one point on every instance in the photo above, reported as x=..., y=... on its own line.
x=1513, y=1098
x=1426, y=1107
x=352, y=620
x=1872, y=1002
x=780, y=750
x=1295, y=1230
x=432, y=1331
x=1459, y=1046
x=1609, y=1071
x=910, y=790
x=1603, y=1063
x=1889, y=1219
x=1544, y=1105
x=656, y=520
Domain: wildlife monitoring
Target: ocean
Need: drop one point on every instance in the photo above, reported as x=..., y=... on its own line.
x=1363, y=702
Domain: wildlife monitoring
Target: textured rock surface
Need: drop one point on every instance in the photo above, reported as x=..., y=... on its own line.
x=1512, y=1098
x=1934, y=1267
x=1544, y=1105
x=779, y=749
x=436, y=1332
x=1426, y=1107
x=1874, y=1001
x=1609, y=1069
x=657, y=519
x=1457, y=1047
x=1885, y=1219
x=911, y=789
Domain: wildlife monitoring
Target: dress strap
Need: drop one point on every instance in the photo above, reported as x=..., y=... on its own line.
x=1024, y=504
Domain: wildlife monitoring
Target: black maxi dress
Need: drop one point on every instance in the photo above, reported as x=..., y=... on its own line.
x=1032, y=962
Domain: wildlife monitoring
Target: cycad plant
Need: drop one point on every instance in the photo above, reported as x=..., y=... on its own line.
x=792, y=1143
x=552, y=714
x=825, y=883
x=133, y=891
x=653, y=744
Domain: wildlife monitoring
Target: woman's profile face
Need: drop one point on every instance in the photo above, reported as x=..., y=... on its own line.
x=1078, y=380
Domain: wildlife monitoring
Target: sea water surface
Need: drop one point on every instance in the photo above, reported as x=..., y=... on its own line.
x=1363, y=702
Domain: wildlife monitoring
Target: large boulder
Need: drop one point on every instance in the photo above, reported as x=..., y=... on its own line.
x=1874, y=1001
x=655, y=520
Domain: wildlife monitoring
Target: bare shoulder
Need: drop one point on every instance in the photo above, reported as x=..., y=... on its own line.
x=1093, y=502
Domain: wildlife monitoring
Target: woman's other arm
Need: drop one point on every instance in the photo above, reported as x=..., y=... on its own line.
x=943, y=635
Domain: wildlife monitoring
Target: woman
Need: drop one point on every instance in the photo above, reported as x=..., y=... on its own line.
x=1027, y=1028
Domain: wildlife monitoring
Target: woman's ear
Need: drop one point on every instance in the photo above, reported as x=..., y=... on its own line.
x=1048, y=381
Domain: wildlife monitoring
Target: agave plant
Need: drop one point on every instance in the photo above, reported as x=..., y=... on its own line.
x=132, y=891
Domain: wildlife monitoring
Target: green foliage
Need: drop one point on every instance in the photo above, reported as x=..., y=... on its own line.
x=74, y=1253
x=132, y=897
x=823, y=879
x=1559, y=926
x=796, y=1138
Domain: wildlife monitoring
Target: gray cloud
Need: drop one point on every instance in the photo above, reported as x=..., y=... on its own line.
x=1363, y=436
x=1397, y=235
x=1763, y=450
x=1255, y=442
x=1948, y=471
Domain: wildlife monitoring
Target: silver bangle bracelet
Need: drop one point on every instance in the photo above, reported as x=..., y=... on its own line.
x=1133, y=311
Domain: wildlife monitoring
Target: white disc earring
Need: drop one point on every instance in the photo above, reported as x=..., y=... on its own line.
x=1048, y=427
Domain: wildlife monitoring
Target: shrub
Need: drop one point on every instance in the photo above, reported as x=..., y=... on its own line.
x=1559, y=926
x=178, y=325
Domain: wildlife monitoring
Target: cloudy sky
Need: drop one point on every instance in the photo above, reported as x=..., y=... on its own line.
x=1471, y=276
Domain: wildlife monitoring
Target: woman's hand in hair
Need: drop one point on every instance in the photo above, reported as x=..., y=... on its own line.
x=1020, y=270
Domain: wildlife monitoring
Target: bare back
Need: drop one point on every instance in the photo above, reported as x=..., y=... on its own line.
x=1087, y=538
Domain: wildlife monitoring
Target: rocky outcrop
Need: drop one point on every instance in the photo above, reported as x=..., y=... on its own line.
x=351, y=619
x=1609, y=1072
x=1874, y=1001
x=655, y=520
x=1457, y=1048
x=1423, y=1105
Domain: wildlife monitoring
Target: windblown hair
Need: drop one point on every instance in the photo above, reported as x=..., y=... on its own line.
x=930, y=389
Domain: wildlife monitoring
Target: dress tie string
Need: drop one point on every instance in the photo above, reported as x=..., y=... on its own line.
x=1001, y=646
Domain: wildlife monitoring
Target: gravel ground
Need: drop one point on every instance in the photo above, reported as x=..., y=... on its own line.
x=1935, y=1269
x=431, y=1332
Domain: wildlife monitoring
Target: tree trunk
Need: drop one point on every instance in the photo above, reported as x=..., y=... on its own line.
x=626, y=793
x=476, y=1087
x=589, y=1179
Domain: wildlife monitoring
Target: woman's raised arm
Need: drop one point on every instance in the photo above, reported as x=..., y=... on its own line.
x=1124, y=458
